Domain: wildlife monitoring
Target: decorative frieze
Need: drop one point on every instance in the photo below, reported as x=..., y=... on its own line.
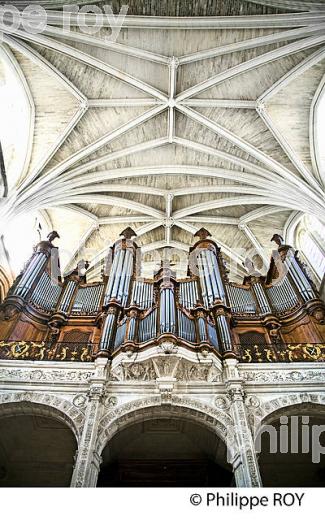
x=45, y=375
x=282, y=376
x=167, y=366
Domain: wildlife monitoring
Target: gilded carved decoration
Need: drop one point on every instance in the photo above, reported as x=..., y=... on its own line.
x=42, y=351
x=285, y=353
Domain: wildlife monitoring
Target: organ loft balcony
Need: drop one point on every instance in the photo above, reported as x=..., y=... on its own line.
x=163, y=327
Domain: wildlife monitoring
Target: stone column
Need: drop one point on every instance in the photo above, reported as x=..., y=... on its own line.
x=87, y=464
x=244, y=463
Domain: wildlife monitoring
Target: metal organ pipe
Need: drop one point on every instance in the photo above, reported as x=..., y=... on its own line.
x=213, y=335
x=211, y=282
x=121, y=293
x=188, y=295
x=219, y=291
x=186, y=327
x=67, y=296
x=302, y=283
x=118, y=287
x=120, y=276
x=108, y=332
x=131, y=331
x=224, y=332
x=282, y=295
x=205, y=278
x=211, y=275
x=202, y=329
x=261, y=298
x=241, y=300
x=167, y=310
x=116, y=274
x=142, y=294
x=87, y=299
x=213, y=288
x=33, y=270
x=147, y=327
x=45, y=294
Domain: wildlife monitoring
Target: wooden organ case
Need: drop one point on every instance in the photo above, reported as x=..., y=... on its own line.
x=279, y=317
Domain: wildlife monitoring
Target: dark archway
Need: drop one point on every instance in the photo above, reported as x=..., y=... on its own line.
x=36, y=450
x=297, y=459
x=165, y=452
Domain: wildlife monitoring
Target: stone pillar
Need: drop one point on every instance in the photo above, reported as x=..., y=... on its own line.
x=87, y=464
x=245, y=464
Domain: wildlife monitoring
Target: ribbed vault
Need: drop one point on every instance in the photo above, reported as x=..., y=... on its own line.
x=181, y=123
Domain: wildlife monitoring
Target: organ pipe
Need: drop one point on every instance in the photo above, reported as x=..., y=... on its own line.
x=186, y=327
x=119, y=284
x=213, y=277
x=45, y=294
x=142, y=294
x=36, y=266
x=87, y=299
x=167, y=310
x=261, y=298
x=223, y=328
x=67, y=296
x=138, y=310
x=202, y=329
x=131, y=331
x=34, y=269
x=108, y=331
x=148, y=327
x=241, y=300
x=295, y=270
x=299, y=277
x=205, y=257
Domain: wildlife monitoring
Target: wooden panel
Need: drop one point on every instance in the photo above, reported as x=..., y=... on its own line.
x=27, y=331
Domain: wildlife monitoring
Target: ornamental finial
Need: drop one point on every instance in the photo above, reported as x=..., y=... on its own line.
x=128, y=233
x=52, y=236
x=278, y=239
x=202, y=234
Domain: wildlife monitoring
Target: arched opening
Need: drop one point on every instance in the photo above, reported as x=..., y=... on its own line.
x=162, y=452
x=292, y=447
x=36, y=448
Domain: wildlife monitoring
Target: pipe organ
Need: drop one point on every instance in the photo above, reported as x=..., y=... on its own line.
x=87, y=299
x=203, y=311
x=34, y=269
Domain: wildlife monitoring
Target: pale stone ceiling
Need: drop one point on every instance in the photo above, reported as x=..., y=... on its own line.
x=200, y=122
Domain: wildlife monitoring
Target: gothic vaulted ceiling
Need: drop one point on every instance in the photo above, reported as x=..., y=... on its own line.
x=200, y=114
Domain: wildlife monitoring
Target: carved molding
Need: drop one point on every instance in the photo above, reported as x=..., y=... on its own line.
x=51, y=404
x=282, y=376
x=263, y=412
x=46, y=375
x=152, y=407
